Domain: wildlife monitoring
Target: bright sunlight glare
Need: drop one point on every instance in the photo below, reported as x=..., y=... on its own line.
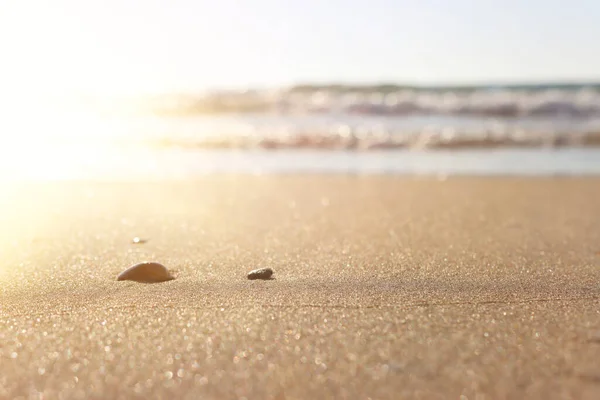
x=48, y=130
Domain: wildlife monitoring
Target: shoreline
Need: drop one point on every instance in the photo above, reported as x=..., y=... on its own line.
x=86, y=164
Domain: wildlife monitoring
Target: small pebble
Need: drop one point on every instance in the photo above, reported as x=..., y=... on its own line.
x=147, y=272
x=261, y=273
x=595, y=337
x=137, y=240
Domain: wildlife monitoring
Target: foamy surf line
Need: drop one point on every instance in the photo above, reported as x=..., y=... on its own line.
x=501, y=101
x=364, y=140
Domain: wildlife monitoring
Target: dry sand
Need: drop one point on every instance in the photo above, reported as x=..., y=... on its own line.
x=386, y=288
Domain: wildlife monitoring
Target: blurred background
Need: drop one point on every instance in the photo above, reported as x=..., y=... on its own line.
x=172, y=89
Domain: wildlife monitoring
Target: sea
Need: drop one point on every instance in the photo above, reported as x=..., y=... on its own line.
x=539, y=130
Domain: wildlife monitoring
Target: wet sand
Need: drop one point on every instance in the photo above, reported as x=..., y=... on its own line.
x=385, y=288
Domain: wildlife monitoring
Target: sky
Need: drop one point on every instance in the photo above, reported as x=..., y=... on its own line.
x=129, y=46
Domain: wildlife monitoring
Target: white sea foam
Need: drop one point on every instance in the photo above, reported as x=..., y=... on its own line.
x=504, y=102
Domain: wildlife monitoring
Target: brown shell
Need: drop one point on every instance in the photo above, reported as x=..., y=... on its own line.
x=147, y=272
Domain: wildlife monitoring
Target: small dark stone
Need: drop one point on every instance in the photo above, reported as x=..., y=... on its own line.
x=261, y=273
x=595, y=338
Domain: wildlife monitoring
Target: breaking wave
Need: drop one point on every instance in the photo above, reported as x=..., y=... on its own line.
x=573, y=101
x=369, y=140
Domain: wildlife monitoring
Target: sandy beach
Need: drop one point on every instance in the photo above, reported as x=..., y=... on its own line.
x=385, y=288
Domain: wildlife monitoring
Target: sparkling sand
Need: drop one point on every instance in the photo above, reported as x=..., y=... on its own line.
x=385, y=288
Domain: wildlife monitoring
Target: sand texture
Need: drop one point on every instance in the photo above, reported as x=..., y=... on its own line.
x=385, y=288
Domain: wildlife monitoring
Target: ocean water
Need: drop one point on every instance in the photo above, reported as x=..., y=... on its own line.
x=541, y=130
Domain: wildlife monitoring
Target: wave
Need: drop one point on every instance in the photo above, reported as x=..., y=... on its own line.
x=429, y=140
x=568, y=101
